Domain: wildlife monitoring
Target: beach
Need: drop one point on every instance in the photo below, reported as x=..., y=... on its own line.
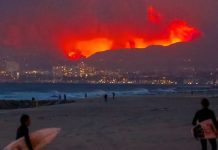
x=126, y=123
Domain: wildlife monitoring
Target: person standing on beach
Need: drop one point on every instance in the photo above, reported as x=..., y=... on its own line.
x=204, y=114
x=59, y=97
x=65, y=97
x=105, y=98
x=113, y=95
x=23, y=130
x=33, y=102
x=86, y=95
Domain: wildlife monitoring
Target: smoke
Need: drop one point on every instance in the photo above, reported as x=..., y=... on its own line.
x=81, y=28
x=156, y=31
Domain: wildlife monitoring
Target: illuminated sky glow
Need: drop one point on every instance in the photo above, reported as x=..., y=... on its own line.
x=163, y=34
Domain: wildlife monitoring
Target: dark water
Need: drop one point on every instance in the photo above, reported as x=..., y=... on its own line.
x=52, y=91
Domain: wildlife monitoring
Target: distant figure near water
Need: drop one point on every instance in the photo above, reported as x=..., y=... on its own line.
x=23, y=130
x=86, y=95
x=65, y=97
x=105, y=97
x=204, y=114
x=59, y=97
x=33, y=102
x=113, y=95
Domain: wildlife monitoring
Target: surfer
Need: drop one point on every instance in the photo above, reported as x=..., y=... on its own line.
x=204, y=114
x=23, y=130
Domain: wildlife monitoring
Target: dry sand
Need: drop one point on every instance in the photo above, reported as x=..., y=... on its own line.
x=127, y=123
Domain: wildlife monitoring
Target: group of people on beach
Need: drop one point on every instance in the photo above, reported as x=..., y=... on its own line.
x=106, y=97
x=86, y=96
x=60, y=97
x=203, y=114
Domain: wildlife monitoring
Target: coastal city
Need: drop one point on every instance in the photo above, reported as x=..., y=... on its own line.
x=108, y=74
x=84, y=73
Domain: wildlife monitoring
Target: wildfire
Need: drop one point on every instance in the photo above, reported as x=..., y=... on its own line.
x=174, y=32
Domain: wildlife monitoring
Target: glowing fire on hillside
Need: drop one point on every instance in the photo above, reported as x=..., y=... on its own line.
x=168, y=33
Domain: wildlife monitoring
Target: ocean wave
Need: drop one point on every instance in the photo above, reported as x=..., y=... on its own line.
x=79, y=91
x=168, y=90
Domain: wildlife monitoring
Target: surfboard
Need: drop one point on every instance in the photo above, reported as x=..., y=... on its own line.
x=39, y=139
x=205, y=130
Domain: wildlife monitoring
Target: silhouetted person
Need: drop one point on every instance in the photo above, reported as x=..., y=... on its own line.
x=86, y=95
x=33, y=102
x=65, y=97
x=204, y=114
x=23, y=130
x=113, y=95
x=105, y=97
x=59, y=97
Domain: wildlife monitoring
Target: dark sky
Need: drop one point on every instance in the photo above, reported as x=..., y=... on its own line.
x=36, y=28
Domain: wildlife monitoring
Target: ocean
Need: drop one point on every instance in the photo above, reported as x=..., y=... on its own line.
x=49, y=91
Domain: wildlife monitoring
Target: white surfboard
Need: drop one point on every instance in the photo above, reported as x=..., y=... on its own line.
x=205, y=130
x=39, y=139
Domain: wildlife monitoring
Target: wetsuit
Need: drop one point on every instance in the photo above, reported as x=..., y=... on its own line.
x=23, y=131
x=202, y=115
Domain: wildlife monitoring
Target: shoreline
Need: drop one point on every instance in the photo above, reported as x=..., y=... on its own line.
x=20, y=104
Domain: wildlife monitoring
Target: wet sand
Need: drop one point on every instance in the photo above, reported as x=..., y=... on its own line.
x=127, y=123
x=18, y=104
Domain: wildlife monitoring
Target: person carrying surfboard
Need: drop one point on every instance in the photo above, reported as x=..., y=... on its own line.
x=204, y=114
x=23, y=130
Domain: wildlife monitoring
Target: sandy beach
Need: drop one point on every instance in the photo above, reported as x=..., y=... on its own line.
x=127, y=123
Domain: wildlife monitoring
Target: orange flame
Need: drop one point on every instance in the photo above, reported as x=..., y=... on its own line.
x=176, y=31
x=95, y=45
x=153, y=15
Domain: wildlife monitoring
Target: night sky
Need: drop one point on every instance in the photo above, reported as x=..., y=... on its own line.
x=49, y=29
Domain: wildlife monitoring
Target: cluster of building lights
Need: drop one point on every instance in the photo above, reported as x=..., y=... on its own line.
x=82, y=73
